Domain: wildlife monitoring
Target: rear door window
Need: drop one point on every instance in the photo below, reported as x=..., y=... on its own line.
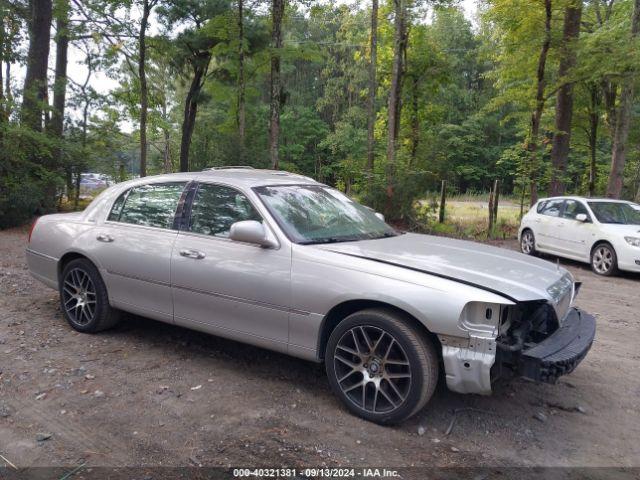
x=552, y=208
x=151, y=205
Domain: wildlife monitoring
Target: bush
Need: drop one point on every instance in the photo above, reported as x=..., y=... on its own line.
x=400, y=202
x=27, y=186
x=20, y=199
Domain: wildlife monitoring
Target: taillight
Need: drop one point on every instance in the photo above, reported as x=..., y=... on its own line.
x=33, y=225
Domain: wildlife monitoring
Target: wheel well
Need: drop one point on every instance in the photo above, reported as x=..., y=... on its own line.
x=66, y=258
x=600, y=242
x=343, y=310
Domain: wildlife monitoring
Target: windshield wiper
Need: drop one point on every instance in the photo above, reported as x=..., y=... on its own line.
x=329, y=240
x=389, y=234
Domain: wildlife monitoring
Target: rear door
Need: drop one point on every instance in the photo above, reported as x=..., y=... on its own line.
x=133, y=246
x=576, y=237
x=550, y=225
x=225, y=287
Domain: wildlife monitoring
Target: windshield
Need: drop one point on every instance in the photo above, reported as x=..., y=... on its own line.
x=615, y=212
x=319, y=214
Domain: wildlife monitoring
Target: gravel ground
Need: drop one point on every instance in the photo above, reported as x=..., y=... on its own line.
x=148, y=394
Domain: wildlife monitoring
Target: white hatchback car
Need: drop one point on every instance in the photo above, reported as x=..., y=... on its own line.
x=602, y=232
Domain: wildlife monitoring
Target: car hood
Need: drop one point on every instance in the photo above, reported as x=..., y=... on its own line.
x=626, y=230
x=511, y=274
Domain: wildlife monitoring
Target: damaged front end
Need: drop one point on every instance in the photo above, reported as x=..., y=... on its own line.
x=534, y=344
x=539, y=340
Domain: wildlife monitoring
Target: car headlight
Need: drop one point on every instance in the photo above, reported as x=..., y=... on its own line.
x=633, y=241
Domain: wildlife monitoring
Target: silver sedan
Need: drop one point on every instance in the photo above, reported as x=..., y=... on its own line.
x=283, y=262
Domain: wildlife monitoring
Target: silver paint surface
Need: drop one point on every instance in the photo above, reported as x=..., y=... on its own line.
x=278, y=298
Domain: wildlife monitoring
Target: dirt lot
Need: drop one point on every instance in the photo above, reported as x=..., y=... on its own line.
x=153, y=394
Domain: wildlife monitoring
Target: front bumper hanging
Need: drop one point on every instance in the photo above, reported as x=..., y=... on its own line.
x=561, y=352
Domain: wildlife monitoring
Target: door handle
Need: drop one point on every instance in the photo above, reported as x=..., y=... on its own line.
x=104, y=238
x=195, y=254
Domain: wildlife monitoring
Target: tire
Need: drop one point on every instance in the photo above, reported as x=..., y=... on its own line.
x=80, y=282
x=400, y=349
x=604, y=260
x=528, y=242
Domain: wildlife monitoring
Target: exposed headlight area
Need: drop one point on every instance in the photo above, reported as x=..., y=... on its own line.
x=562, y=293
x=633, y=241
x=559, y=289
x=479, y=317
x=526, y=323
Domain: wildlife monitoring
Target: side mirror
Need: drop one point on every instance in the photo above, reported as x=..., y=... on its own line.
x=251, y=231
x=380, y=216
x=582, y=217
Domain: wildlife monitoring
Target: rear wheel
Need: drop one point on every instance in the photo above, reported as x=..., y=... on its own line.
x=84, y=299
x=604, y=260
x=528, y=242
x=380, y=366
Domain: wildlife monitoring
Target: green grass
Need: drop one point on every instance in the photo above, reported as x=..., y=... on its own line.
x=468, y=217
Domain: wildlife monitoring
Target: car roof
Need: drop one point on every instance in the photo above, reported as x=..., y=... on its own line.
x=585, y=199
x=235, y=176
x=242, y=178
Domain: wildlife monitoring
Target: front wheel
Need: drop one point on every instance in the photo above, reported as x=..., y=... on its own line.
x=381, y=366
x=604, y=260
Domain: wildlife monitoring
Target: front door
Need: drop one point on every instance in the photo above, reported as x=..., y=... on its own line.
x=551, y=223
x=134, y=245
x=228, y=288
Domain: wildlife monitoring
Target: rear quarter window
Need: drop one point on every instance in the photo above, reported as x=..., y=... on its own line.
x=551, y=208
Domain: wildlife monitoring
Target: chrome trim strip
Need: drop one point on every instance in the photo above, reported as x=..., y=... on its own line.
x=135, y=277
x=38, y=254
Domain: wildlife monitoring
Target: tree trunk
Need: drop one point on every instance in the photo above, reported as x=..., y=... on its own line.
x=371, y=100
x=60, y=82
x=537, y=113
x=636, y=197
x=7, y=84
x=167, y=164
x=594, y=120
x=2, y=42
x=415, y=121
x=60, y=86
x=168, y=167
x=85, y=121
x=564, y=98
x=241, y=83
x=35, y=82
x=5, y=53
x=623, y=120
x=394, y=95
x=277, y=13
x=144, y=90
x=190, y=111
